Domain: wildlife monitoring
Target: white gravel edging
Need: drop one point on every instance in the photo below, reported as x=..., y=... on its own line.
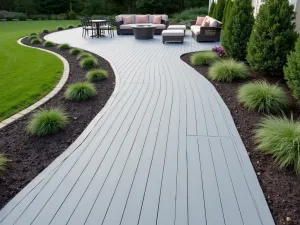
x=57, y=88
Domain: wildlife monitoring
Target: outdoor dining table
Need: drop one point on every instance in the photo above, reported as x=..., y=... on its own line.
x=98, y=24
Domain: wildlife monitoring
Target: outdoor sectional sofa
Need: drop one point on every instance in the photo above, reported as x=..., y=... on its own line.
x=127, y=29
x=206, y=29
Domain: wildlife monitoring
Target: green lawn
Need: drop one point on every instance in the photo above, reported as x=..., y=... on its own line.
x=26, y=75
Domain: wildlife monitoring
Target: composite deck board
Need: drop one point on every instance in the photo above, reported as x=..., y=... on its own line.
x=164, y=151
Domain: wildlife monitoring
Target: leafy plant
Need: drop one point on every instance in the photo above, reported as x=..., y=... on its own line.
x=84, y=55
x=46, y=122
x=263, y=97
x=70, y=26
x=219, y=10
x=46, y=31
x=3, y=162
x=36, y=41
x=204, y=58
x=48, y=44
x=280, y=137
x=190, y=14
x=228, y=70
x=219, y=50
x=227, y=10
x=273, y=36
x=63, y=47
x=75, y=51
x=32, y=37
x=88, y=63
x=238, y=29
x=97, y=75
x=59, y=28
x=291, y=70
x=80, y=91
x=72, y=15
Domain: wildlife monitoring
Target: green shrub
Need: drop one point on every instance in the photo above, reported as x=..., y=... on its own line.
x=219, y=10
x=204, y=58
x=8, y=18
x=72, y=15
x=280, y=137
x=228, y=70
x=88, y=63
x=70, y=26
x=292, y=71
x=227, y=10
x=190, y=14
x=80, y=91
x=212, y=8
x=97, y=75
x=238, y=29
x=45, y=31
x=35, y=18
x=48, y=44
x=273, y=36
x=33, y=34
x=3, y=162
x=84, y=55
x=22, y=18
x=46, y=122
x=59, y=28
x=32, y=37
x=75, y=51
x=36, y=41
x=63, y=47
x=263, y=97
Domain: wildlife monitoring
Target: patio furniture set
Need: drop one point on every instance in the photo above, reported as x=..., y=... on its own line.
x=204, y=29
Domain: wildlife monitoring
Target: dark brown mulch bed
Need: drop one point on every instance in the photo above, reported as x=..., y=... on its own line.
x=30, y=155
x=281, y=187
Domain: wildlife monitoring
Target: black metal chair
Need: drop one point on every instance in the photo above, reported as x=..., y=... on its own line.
x=87, y=26
x=109, y=26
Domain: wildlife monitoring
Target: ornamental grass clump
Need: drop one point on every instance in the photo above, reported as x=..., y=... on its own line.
x=97, y=75
x=263, y=97
x=70, y=26
x=80, y=91
x=59, y=28
x=88, y=63
x=36, y=41
x=48, y=44
x=63, y=47
x=280, y=137
x=228, y=70
x=3, y=163
x=83, y=55
x=75, y=51
x=204, y=58
x=45, y=31
x=47, y=121
x=32, y=37
x=33, y=34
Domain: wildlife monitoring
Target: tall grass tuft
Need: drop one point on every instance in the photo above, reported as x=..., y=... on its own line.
x=80, y=91
x=48, y=44
x=204, y=58
x=83, y=55
x=88, y=63
x=263, y=97
x=46, y=122
x=228, y=70
x=75, y=51
x=3, y=162
x=63, y=47
x=190, y=14
x=97, y=75
x=280, y=137
x=36, y=41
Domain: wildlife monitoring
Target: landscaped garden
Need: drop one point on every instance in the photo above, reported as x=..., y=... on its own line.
x=257, y=73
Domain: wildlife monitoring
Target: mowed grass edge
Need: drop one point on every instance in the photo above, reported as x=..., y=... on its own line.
x=26, y=75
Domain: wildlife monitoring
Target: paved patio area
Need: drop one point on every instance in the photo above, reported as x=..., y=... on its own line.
x=163, y=151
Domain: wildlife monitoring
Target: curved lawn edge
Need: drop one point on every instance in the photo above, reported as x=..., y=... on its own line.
x=50, y=95
x=52, y=167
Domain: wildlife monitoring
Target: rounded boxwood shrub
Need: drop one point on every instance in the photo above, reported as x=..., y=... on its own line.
x=45, y=31
x=75, y=51
x=3, y=162
x=228, y=70
x=59, y=28
x=291, y=71
x=80, y=91
x=63, y=47
x=70, y=26
x=97, y=75
x=204, y=58
x=47, y=121
x=36, y=41
x=48, y=44
x=88, y=63
x=280, y=137
x=84, y=55
x=263, y=97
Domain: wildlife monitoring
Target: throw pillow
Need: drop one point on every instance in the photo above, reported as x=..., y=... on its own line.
x=206, y=24
x=157, y=19
x=141, y=19
x=213, y=23
x=199, y=20
x=126, y=19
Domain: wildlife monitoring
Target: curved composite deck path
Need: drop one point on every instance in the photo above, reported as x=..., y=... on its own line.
x=164, y=151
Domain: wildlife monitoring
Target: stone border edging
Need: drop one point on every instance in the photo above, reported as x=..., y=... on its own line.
x=50, y=95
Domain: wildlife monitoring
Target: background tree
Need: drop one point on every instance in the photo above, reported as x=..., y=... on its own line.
x=273, y=36
x=219, y=10
x=228, y=7
x=212, y=8
x=238, y=29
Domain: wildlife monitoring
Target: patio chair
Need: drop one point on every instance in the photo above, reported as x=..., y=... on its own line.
x=87, y=26
x=109, y=26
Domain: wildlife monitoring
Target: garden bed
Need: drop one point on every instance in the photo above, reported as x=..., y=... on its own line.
x=281, y=187
x=29, y=155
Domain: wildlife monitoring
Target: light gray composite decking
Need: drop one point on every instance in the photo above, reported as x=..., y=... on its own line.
x=163, y=151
